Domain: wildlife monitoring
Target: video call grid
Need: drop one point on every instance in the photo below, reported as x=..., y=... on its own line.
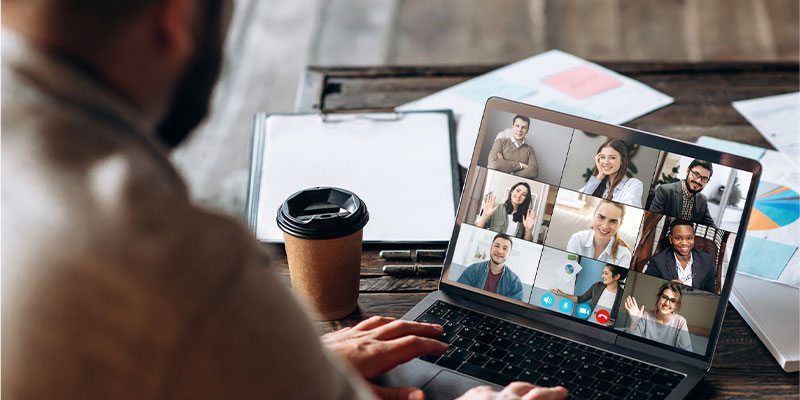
x=651, y=182
x=543, y=241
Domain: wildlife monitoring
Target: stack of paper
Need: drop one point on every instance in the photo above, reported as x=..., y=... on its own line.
x=554, y=80
x=765, y=291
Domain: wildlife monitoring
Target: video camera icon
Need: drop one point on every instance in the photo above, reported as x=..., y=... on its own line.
x=584, y=311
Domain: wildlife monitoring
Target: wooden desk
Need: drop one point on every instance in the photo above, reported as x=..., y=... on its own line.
x=703, y=94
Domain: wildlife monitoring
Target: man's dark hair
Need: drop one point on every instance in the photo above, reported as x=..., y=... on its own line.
x=677, y=222
x=503, y=236
x=526, y=119
x=87, y=25
x=702, y=163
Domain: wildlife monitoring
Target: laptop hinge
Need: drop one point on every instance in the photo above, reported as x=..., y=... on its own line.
x=669, y=357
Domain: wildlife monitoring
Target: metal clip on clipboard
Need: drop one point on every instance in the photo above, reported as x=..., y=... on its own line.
x=350, y=117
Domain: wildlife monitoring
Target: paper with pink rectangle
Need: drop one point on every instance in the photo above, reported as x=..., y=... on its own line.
x=581, y=82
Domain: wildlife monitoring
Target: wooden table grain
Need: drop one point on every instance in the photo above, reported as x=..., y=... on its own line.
x=703, y=92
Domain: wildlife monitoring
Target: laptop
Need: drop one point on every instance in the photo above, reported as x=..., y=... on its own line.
x=587, y=255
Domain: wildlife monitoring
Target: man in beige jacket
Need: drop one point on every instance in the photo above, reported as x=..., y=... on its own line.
x=513, y=154
x=114, y=285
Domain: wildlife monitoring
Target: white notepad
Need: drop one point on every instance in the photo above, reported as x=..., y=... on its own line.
x=402, y=165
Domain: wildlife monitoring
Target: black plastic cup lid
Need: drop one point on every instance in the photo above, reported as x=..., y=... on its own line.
x=322, y=213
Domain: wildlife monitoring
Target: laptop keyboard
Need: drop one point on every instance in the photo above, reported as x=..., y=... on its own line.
x=502, y=352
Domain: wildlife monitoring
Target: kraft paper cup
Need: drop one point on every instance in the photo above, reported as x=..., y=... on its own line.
x=322, y=229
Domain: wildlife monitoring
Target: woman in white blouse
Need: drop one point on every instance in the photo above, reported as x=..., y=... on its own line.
x=609, y=179
x=602, y=242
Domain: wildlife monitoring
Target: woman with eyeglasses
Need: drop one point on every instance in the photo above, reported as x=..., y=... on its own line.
x=609, y=178
x=662, y=324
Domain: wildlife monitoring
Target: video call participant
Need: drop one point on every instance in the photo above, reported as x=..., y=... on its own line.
x=602, y=241
x=607, y=293
x=513, y=155
x=609, y=180
x=681, y=262
x=493, y=275
x=683, y=199
x=514, y=217
x=662, y=324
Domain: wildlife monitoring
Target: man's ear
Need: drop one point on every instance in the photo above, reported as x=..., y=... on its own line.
x=176, y=25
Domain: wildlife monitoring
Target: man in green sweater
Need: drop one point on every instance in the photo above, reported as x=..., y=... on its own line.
x=513, y=154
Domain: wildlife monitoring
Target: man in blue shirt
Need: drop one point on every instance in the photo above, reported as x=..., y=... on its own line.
x=493, y=275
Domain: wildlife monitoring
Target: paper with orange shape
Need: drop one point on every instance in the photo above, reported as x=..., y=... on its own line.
x=773, y=232
x=759, y=222
x=582, y=81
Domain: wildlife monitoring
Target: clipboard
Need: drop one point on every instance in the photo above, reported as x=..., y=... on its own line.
x=403, y=165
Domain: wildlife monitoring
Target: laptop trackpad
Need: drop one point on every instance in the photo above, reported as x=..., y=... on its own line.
x=447, y=385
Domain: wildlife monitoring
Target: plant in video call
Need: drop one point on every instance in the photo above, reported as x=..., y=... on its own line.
x=668, y=178
x=733, y=198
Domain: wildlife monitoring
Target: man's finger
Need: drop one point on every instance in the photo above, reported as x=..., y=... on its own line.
x=397, y=393
x=542, y=393
x=516, y=388
x=395, y=352
x=373, y=322
x=479, y=392
x=400, y=328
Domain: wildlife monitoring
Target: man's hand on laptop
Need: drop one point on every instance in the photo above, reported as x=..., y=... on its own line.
x=516, y=390
x=379, y=344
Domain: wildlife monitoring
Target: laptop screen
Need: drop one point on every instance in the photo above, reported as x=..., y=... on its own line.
x=597, y=227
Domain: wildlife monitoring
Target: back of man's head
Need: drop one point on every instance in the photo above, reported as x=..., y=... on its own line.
x=73, y=25
x=163, y=56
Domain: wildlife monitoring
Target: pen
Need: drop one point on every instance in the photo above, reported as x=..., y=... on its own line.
x=412, y=269
x=412, y=255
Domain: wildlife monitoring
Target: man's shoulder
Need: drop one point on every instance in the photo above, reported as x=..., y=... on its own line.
x=663, y=254
x=477, y=265
x=702, y=255
x=665, y=187
x=109, y=200
x=513, y=275
x=526, y=145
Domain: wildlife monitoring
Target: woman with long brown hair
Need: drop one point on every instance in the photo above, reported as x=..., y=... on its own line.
x=514, y=217
x=609, y=178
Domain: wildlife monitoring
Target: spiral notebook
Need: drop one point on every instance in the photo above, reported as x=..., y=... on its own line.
x=402, y=164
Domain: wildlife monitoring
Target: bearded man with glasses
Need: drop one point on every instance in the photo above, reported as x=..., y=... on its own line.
x=683, y=199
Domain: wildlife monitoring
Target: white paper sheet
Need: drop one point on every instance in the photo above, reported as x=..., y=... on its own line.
x=554, y=80
x=777, y=118
x=400, y=168
x=779, y=185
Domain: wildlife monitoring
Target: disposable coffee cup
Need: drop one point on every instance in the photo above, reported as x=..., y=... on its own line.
x=322, y=229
